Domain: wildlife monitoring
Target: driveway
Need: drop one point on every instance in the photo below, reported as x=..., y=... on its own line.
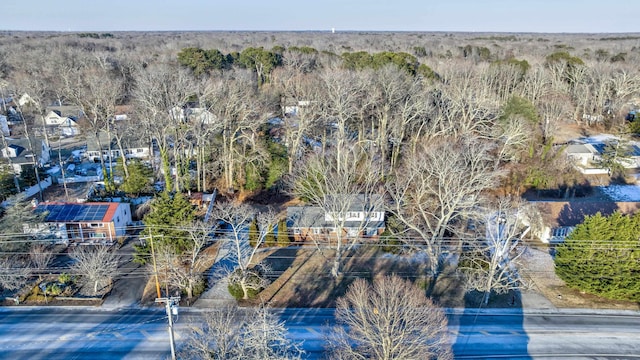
x=130, y=283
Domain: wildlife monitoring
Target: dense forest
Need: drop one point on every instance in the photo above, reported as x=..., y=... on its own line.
x=393, y=91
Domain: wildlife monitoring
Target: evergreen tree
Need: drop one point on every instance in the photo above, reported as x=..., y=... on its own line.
x=261, y=61
x=166, y=222
x=7, y=186
x=253, y=233
x=283, y=234
x=270, y=238
x=15, y=216
x=139, y=179
x=602, y=257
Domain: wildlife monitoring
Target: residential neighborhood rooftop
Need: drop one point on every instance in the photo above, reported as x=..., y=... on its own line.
x=76, y=212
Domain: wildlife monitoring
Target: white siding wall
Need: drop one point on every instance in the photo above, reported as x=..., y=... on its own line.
x=121, y=218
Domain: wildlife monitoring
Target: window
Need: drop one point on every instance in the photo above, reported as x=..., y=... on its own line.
x=353, y=215
x=316, y=231
x=140, y=150
x=96, y=225
x=97, y=235
x=118, y=219
x=296, y=231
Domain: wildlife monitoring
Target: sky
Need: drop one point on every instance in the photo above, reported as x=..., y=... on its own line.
x=546, y=16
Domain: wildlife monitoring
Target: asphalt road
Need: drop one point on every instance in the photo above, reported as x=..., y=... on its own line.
x=80, y=333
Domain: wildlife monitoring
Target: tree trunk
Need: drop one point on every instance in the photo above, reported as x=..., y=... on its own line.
x=123, y=157
x=199, y=167
x=110, y=157
x=166, y=169
x=190, y=290
x=245, y=289
x=337, y=260
x=485, y=297
x=35, y=163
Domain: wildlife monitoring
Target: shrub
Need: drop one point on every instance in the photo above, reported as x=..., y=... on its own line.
x=65, y=279
x=55, y=289
x=235, y=289
x=199, y=288
x=283, y=234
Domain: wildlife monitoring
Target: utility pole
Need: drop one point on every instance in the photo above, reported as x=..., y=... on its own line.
x=171, y=304
x=155, y=267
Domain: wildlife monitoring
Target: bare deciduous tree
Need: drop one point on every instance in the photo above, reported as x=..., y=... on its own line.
x=339, y=189
x=41, y=257
x=512, y=136
x=229, y=333
x=97, y=265
x=233, y=101
x=303, y=91
x=96, y=89
x=238, y=217
x=553, y=109
x=389, y=319
x=437, y=189
x=159, y=96
x=13, y=273
x=490, y=263
x=466, y=104
x=185, y=271
x=343, y=91
x=536, y=84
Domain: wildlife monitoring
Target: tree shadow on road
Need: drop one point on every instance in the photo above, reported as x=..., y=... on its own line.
x=490, y=331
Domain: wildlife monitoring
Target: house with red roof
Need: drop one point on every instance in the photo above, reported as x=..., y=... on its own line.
x=95, y=223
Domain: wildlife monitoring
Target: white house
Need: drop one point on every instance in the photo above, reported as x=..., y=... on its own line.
x=87, y=223
x=134, y=148
x=291, y=108
x=200, y=116
x=59, y=124
x=192, y=114
x=582, y=154
x=17, y=150
x=585, y=156
x=364, y=218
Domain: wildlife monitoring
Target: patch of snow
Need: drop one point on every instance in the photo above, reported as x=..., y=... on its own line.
x=418, y=257
x=621, y=192
x=54, y=169
x=598, y=139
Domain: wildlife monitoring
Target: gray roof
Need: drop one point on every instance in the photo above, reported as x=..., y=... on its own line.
x=66, y=110
x=313, y=217
x=578, y=149
x=22, y=146
x=128, y=142
x=306, y=217
x=361, y=202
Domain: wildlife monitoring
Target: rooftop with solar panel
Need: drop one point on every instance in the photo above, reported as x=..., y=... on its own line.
x=87, y=223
